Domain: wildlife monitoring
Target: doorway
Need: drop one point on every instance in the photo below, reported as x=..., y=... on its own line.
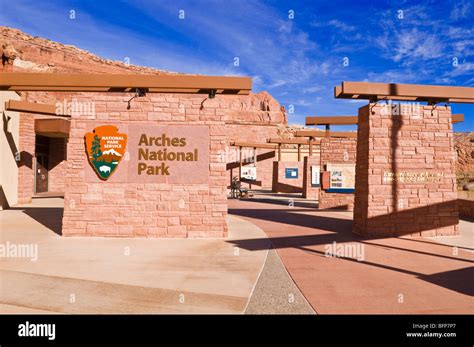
x=41, y=164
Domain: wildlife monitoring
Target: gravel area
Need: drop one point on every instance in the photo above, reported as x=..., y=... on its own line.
x=275, y=291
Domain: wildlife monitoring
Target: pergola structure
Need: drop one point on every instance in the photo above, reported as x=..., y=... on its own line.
x=191, y=84
x=254, y=145
x=299, y=142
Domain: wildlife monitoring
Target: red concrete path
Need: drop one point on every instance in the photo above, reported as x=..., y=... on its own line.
x=397, y=275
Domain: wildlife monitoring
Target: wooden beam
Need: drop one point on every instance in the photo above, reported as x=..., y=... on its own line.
x=414, y=92
x=332, y=120
x=352, y=120
x=253, y=145
x=32, y=107
x=255, y=156
x=317, y=133
x=240, y=162
x=457, y=118
x=288, y=141
x=299, y=152
x=20, y=81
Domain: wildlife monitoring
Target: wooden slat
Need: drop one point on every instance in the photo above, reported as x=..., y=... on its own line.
x=20, y=81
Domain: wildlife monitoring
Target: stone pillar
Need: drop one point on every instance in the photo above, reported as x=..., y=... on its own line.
x=405, y=172
x=337, y=151
x=310, y=192
x=26, y=176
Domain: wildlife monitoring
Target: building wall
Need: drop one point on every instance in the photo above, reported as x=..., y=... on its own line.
x=9, y=149
x=415, y=144
x=337, y=151
x=310, y=192
x=281, y=184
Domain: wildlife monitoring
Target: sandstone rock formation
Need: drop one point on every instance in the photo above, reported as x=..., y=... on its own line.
x=23, y=52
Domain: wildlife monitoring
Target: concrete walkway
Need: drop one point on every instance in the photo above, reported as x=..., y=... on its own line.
x=396, y=275
x=123, y=275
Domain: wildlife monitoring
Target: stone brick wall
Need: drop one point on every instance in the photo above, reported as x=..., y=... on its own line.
x=284, y=185
x=416, y=144
x=147, y=209
x=26, y=163
x=337, y=151
x=466, y=204
x=310, y=192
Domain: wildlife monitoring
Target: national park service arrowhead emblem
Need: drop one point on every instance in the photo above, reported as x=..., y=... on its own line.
x=105, y=148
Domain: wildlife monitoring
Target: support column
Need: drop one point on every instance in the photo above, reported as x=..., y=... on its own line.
x=240, y=162
x=405, y=173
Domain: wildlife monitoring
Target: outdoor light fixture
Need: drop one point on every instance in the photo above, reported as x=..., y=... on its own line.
x=212, y=94
x=138, y=93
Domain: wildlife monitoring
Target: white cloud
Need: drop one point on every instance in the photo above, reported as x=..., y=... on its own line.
x=461, y=10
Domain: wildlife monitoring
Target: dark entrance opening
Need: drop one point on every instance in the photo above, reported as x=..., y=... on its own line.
x=41, y=164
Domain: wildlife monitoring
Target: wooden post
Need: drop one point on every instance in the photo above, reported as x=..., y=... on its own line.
x=299, y=152
x=311, y=146
x=279, y=152
x=255, y=156
x=240, y=162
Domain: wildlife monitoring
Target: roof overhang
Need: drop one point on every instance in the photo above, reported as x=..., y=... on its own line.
x=52, y=127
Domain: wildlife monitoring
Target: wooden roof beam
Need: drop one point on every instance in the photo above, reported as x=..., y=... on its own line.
x=412, y=92
x=288, y=141
x=32, y=107
x=253, y=145
x=20, y=81
x=332, y=120
x=316, y=133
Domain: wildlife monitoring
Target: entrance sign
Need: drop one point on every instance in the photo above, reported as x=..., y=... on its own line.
x=291, y=173
x=168, y=154
x=249, y=173
x=105, y=148
x=315, y=175
x=342, y=176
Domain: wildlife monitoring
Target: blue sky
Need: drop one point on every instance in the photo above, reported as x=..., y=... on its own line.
x=298, y=60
